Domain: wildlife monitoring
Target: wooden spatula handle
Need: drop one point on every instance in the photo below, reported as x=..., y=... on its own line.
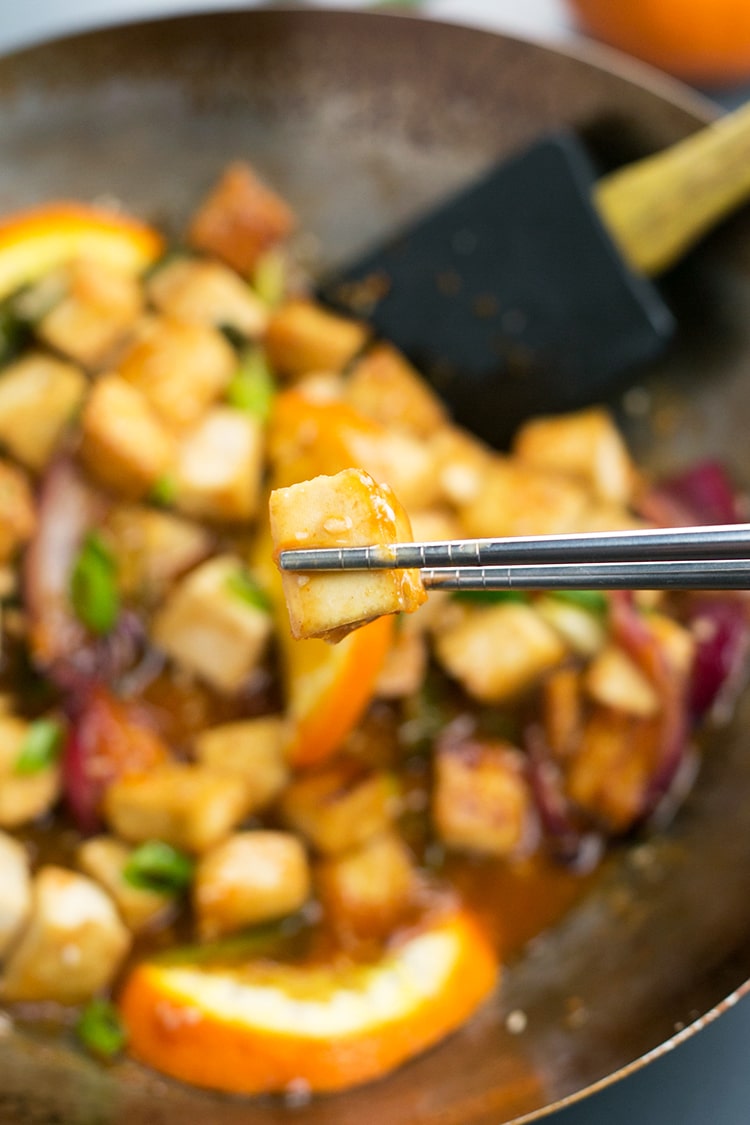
x=656, y=208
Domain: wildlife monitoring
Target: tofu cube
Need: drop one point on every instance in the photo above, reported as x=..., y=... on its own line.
x=15, y=891
x=608, y=776
x=384, y=386
x=210, y=629
x=346, y=510
x=340, y=807
x=481, y=801
x=613, y=679
x=563, y=711
x=206, y=292
x=17, y=514
x=104, y=859
x=123, y=442
x=38, y=397
x=585, y=632
x=518, y=499
x=180, y=367
x=403, y=462
x=219, y=468
x=152, y=548
x=72, y=945
x=252, y=877
x=100, y=307
x=24, y=797
x=586, y=444
x=367, y=892
x=303, y=337
x=240, y=220
x=497, y=652
x=251, y=749
x=461, y=463
x=405, y=665
x=190, y=807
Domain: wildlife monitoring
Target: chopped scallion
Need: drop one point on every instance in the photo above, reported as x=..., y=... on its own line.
x=101, y=1030
x=244, y=586
x=269, y=278
x=488, y=597
x=41, y=747
x=164, y=490
x=93, y=586
x=591, y=600
x=252, y=386
x=157, y=866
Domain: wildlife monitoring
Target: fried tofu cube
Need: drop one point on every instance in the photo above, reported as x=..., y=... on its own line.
x=240, y=220
x=383, y=385
x=585, y=632
x=72, y=944
x=24, y=797
x=481, y=801
x=586, y=444
x=405, y=665
x=100, y=307
x=518, y=499
x=497, y=652
x=123, y=442
x=180, y=367
x=104, y=859
x=346, y=510
x=461, y=464
x=613, y=679
x=368, y=891
x=206, y=292
x=15, y=891
x=252, y=749
x=39, y=395
x=406, y=464
x=17, y=515
x=190, y=807
x=209, y=627
x=220, y=466
x=340, y=807
x=563, y=712
x=303, y=337
x=152, y=548
x=252, y=877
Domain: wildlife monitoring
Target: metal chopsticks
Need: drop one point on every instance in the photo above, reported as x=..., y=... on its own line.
x=705, y=558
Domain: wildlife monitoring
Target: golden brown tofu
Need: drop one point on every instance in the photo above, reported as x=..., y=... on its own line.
x=585, y=632
x=461, y=464
x=104, y=859
x=368, y=891
x=303, y=337
x=15, y=891
x=482, y=801
x=39, y=395
x=251, y=749
x=518, y=499
x=405, y=665
x=346, y=510
x=17, y=515
x=252, y=877
x=190, y=807
x=209, y=628
x=24, y=797
x=383, y=385
x=219, y=468
x=72, y=944
x=340, y=807
x=207, y=292
x=181, y=368
x=613, y=679
x=586, y=444
x=99, y=309
x=563, y=712
x=152, y=548
x=123, y=442
x=240, y=220
x=497, y=652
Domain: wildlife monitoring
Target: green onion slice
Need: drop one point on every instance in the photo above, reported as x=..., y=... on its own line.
x=157, y=866
x=591, y=600
x=252, y=386
x=101, y=1030
x=41, y=747
x=93, y=586
x=244, y=586
x=489, y=597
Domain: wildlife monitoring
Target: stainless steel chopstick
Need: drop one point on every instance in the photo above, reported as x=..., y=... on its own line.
x=694, y=574
x=713, y=543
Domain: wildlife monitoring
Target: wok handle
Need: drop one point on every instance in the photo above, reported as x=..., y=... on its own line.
x=656, y=208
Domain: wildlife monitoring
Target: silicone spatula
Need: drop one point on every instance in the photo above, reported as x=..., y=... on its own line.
x=528, y=292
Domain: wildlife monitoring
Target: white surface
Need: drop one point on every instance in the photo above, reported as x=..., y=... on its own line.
x=23, y=23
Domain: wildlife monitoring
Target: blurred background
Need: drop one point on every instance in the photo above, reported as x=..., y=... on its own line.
x=706, y=43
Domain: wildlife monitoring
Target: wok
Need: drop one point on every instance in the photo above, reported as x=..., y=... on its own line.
x=360, y=120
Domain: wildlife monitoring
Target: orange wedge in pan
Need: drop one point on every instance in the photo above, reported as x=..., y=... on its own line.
x=266, y=1026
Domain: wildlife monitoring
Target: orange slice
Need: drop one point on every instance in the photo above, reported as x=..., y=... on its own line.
x=34, y=242
x=263, y=1026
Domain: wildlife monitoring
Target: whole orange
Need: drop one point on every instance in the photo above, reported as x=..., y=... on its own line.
x=704, y=41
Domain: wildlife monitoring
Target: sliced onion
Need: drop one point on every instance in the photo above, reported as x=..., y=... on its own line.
x=576, y=847
x=721, y=629
x=701, y=495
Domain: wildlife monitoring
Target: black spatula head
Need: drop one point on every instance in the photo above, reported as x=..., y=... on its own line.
x=511, y=297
